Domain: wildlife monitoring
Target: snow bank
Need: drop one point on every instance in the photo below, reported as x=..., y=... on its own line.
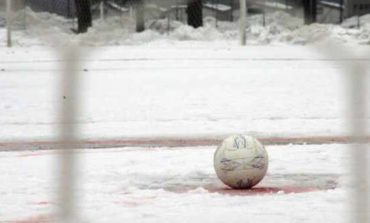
x=275, y=28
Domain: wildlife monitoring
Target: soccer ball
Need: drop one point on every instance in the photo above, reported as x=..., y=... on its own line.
x=240, y=161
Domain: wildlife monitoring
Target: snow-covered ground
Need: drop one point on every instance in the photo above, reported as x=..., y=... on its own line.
x=183, y=83
x=181, y=90
x=186, y=82
x=170, y=185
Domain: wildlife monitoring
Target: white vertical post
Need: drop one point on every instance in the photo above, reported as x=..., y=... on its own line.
x=102, y=10
x=358, y=126
x=68, y=137
x=8, y=23
x=357, y=117
x=131, y=12
x=243, y=17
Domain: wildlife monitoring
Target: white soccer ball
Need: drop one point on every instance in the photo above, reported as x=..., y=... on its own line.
x=241, y=161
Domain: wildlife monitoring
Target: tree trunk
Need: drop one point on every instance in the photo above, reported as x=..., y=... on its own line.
x=310, y=11
x=140, y=23
x=195, y=14
x=84, y=18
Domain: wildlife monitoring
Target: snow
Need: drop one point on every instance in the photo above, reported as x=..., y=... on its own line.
x=220, y=7
x=281, y=28
x=167, y=185
x=275, y=4
x=180, y=83
x=167, y=91
x=332, y=4
x=116, y=6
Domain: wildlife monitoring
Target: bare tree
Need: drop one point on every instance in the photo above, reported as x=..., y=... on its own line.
x=140, y=23
x=195, y=13
x=84, y=17
x=310, y=11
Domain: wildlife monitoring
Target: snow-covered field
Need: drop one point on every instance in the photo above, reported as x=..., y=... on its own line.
x=180, y=91
x=171, y=185
x=183, y=83
x=187, y=83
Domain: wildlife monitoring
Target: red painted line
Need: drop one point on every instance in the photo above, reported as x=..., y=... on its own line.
x=263, y=190
x=258, y=190
x=172, y=142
